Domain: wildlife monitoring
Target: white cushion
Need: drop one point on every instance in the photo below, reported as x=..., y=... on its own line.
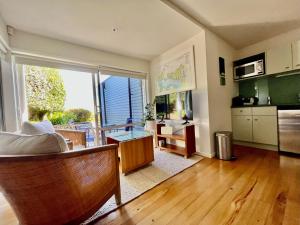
x=16, y=144
x=37, y=128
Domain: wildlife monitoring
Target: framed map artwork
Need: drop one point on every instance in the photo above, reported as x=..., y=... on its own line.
x=178, y=74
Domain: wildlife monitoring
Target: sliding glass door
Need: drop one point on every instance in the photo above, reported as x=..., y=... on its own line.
x=87, y=100
x=121, y=101
x=66, y=97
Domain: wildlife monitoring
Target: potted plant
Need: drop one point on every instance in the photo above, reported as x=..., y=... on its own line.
x=149, y=117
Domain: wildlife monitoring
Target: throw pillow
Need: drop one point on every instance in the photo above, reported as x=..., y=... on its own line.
x=20, y=144
x=37, y=128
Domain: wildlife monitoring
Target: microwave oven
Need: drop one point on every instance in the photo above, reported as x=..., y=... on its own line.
x=249, y=67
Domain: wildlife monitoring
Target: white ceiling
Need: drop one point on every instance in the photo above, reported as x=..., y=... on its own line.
x=145, y=28
x=242, y=23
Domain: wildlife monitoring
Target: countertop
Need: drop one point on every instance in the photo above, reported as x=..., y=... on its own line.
x=243, y=106
x=279, y=106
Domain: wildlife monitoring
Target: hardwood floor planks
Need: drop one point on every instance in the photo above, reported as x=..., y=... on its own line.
x=217, y=190
x=167, y=200
x=260, y=187
x=7, y=216
x=209, y=196
x=240, y=192
x=180, y=181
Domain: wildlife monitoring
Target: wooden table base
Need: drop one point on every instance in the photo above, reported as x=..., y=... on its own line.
x=134, y=153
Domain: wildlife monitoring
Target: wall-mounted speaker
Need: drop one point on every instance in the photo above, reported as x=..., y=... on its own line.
x=10, y=30
x=221, y=66
x=222, y=71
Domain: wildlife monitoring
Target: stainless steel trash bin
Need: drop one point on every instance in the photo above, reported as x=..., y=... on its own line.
x=223, y=144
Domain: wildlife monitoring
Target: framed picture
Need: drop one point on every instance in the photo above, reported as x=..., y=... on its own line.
x=177, y=74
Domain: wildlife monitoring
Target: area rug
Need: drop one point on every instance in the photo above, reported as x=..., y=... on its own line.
x=164, y=166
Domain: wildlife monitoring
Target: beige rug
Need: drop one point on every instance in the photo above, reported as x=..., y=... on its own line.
x=164, y=166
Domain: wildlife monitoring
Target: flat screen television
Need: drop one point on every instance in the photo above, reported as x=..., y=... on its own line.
x=175, y=106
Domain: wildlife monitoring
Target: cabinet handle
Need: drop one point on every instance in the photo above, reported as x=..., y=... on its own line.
x=287, y=67
x=255, y=119
x=298, y=64
x=248, y=119
x=241, y=110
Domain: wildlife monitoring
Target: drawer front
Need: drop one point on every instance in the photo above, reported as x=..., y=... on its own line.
x=264, y=111
x=245, y=111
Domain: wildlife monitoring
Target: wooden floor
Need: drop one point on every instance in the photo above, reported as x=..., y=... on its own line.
x=260, y=187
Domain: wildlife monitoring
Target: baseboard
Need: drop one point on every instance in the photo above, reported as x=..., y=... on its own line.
x=206, y=154
x=256, y=145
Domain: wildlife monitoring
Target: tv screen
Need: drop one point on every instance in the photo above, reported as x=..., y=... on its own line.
x=175, y=106
x=161, y=106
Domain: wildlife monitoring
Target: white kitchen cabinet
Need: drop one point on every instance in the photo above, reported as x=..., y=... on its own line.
x=265, y=130
x=258, y=126
x=242, y=128
x=296, y=54
x=279, y=59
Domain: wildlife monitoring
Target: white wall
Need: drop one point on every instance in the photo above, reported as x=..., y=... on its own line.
x=43, y=46
x=3, y=35
x=262, y=46
x=9, y=103
x=9, y=97
x=200, y=95
x=211, y=102
x=219, y=97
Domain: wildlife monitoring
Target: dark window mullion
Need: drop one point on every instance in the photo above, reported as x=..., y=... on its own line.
x=129, y=97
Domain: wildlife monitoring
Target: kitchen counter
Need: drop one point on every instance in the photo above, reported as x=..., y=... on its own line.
x=251, y=106
x=281, y=106
x=287, y=107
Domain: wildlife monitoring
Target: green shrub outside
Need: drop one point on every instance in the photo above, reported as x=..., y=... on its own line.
x=72, y=115
x=61, y=118
x=81, y=115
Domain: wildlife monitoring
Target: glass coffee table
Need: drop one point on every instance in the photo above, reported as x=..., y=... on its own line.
x=135, y=149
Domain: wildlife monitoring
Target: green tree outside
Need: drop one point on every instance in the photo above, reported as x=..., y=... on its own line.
x=45, y=91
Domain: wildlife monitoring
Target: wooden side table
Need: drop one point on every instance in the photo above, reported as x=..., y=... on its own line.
x=135, y=149
x=188, y=137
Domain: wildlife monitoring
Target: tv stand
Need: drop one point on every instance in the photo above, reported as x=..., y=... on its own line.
x=188, y=137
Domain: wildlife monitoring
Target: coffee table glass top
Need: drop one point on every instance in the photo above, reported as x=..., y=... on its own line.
x=128, y=135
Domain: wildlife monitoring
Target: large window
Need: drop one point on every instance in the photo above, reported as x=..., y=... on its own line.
x=87, y=101
x=121, y=100
x=65, y=97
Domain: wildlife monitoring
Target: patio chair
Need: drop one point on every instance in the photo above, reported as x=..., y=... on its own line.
x=128, y=121
x=76, y=136
x=87, y=127
x=67, y=131
x=60, y=188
